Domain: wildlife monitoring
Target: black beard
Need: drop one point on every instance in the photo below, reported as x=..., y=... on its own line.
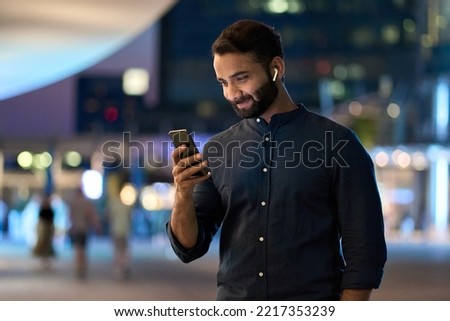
x=266, y=93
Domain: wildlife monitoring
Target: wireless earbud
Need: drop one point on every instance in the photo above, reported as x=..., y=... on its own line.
x=275, y=74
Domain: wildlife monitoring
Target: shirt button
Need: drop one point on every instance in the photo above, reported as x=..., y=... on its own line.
x=261, y=274
x=265, y=170
x=258, y=120
x=263, y=203
x=266, y=139
x=261, y=239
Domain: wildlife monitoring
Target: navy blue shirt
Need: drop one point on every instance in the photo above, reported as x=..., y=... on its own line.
x=298, y=207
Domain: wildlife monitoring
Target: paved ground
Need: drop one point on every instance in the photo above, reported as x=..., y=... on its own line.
x=156, y=275
x=416, y=272
x=413, y=272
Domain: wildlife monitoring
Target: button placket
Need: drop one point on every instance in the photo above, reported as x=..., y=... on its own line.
x=261, y=268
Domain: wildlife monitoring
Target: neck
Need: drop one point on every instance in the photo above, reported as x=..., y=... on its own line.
x=282, y=104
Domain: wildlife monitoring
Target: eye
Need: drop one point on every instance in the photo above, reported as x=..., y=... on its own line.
x=222, y=83
x=241, y=78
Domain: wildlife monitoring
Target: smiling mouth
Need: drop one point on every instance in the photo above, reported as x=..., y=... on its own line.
x=245, y=103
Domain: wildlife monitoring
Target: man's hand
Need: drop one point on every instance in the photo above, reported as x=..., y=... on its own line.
x=184, y=169
x=356, y=295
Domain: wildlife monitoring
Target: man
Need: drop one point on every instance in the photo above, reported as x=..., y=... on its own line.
x=293, y=192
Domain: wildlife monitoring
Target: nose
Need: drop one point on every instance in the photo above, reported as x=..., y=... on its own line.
x=232, y=92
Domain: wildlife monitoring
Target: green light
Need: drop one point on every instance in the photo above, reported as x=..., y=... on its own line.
x=73, y=159
x=25, y=159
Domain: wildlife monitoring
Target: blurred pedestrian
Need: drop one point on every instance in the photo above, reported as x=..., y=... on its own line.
x=45, y=231
x=119, y=216
x=83, y=219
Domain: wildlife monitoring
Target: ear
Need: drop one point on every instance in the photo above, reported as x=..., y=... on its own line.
x=277, y=66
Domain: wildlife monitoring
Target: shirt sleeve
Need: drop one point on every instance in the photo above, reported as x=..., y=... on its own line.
x=360, y=216
x=187, y=255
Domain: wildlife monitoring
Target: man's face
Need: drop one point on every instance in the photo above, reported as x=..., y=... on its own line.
x=245, y=83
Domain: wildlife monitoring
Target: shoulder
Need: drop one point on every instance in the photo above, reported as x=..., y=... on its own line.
x=311, y=126
x=325, y=123
x=333, y=135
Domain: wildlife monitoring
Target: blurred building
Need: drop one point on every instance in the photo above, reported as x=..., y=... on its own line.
x=381, y=67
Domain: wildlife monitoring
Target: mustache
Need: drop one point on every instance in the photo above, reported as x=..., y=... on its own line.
x=241, y=99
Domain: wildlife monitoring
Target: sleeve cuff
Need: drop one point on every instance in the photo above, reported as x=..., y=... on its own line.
x=185, y=255
x=367, y=278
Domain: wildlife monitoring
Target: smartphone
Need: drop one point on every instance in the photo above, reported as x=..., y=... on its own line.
x=182, y=137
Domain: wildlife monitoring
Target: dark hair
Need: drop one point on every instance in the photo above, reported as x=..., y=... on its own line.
x=249, y=36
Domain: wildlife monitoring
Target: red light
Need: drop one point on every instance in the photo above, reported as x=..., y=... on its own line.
x=323, y=67
x=111, y=114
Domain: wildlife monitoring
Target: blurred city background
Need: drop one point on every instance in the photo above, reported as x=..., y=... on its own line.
x=90, y=89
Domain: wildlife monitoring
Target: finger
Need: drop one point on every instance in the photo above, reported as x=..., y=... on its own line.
x=193, y=160
x=184, y=171
x=192, y=172
x=181, y=166
x=177, y=152
x=200, y=167
x=190, y=161
x=201, y=178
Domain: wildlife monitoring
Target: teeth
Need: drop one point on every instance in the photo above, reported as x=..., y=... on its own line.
x=243, y=103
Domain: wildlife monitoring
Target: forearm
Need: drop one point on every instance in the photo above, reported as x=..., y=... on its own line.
x=356, y=294
x=183, y=221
